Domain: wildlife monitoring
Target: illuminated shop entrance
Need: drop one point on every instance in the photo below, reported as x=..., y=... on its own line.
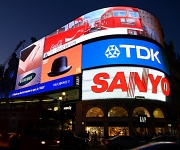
x=114, y=131
x=159, y=128
x=91, y=127
x=140, y=131
x=118, y=128
x=99, y=131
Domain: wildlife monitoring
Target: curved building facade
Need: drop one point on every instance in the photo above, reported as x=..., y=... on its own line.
x=108, y=67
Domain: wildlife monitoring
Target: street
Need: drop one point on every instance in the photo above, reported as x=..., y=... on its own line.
x=91, y=147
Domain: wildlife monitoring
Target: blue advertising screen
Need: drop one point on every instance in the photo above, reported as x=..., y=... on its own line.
x=124, y=51
x=43, y=87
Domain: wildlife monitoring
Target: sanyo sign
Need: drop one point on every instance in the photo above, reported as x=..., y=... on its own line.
x=124, y=82
x=124, y=51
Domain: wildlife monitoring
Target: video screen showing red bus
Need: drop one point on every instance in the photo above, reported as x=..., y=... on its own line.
x=124, y=17
x=104, y=22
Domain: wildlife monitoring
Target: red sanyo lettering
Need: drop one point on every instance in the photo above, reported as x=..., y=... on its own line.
x=119, y=82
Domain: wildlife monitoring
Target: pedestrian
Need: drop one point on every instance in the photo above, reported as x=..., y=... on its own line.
x=95, y=138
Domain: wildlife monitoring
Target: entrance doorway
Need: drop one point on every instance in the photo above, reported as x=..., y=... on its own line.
x=99, y=131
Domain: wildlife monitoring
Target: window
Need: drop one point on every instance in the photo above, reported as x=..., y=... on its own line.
x=109, y=14
x=119, y=13
x=95, y=112
x=140, y=111
x=158, y=113
x=134, y=14
x=117, y=112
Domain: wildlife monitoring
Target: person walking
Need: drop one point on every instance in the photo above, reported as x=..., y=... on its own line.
x=95, y=138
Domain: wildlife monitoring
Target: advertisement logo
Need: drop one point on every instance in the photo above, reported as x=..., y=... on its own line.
x=124, y=51
x=112, y=51
x=26, y=79
x=124, y=82
x=101, y=85
x=142, y=118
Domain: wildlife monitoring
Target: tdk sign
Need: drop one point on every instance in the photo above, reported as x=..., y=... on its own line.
x=123, y=52
x=113, y=52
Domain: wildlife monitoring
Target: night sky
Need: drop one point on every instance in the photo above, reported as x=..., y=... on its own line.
x=23, y=19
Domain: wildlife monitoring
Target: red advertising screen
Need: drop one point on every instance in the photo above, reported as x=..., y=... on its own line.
x=103, y=22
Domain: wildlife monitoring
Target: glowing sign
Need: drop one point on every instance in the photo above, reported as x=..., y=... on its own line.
x=124, y=51
x=124, y=82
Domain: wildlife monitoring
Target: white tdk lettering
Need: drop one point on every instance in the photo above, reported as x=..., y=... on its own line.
x=127, y=47
x=150, y=54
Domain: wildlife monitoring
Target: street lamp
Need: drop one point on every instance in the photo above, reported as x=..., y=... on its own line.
x=63, y=96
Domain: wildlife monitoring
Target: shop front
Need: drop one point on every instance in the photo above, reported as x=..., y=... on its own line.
x=110, y=118
x=68, y=116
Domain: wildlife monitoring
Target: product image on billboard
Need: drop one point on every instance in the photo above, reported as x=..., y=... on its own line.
x=62, y=64
x=124, y=82
x=102, y=22
x=124, y=51
x=30, y=62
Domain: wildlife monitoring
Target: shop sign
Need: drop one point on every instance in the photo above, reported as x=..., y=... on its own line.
x=142, y=118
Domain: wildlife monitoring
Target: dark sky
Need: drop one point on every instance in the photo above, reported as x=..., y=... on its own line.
x=23, y=19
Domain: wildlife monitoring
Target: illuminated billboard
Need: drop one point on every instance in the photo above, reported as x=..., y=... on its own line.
x=124, y=82
x=29, y=70
x=44, y=87
x=53, y=73
x=54, y=60
x=62, y=64
x=103, y=22
x=124, y=51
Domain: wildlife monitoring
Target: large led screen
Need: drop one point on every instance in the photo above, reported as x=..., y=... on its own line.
x=40, y=88
x=53, y=73
x=124, y=51
x=124, y=82
x=102, y=22
x=29, y=70
x=62, y=64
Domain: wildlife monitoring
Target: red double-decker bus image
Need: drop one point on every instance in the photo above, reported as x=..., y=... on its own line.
x=67, y=33
x=123, y=17
x=106, y=21
x=97, y=24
